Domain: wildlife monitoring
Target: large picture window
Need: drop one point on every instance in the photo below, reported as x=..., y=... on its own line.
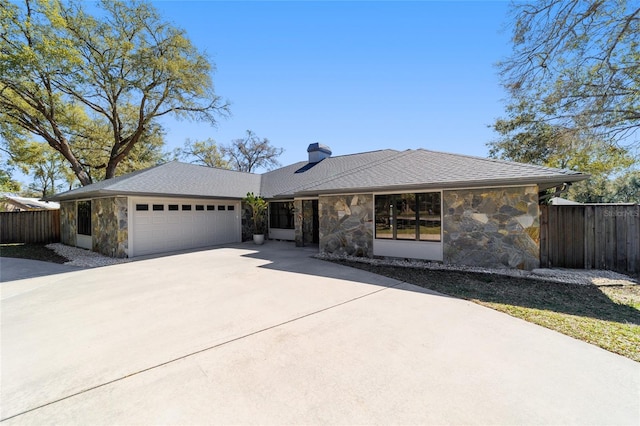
x=84, y=217
x=281, y=215
x=411, y=216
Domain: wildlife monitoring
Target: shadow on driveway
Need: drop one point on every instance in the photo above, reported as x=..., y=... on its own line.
x=12, y=269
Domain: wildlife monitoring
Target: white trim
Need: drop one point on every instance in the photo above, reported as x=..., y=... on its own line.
x=282, y=234
x=411, y=249
x=84, y=241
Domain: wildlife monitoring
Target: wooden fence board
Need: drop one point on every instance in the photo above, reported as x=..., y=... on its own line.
x=544, y=235
x=591, y=236
x=30, y=227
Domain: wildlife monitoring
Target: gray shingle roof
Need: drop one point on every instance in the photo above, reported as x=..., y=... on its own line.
x=389, y=169
x=383, y=170
x=285, y=182
x=173, y=179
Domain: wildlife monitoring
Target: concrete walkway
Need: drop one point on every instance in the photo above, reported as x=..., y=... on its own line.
x=246, y=335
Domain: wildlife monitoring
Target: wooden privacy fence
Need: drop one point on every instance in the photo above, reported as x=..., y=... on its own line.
x=597, y=236
x=39, y=226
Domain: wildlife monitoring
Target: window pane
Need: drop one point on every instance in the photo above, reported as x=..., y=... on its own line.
x=281, y=215
x=429, y=211
x=384, y=216
x=210, y=207
x=221, y=207
x=158, y=207
x=142, y=207
x=405, y=205
x=84, y=217
x=199, y=207
x=186, y=207
x=173, y=207
x=230, y=208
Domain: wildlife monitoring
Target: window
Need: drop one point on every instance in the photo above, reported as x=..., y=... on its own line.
x=408, y=216
x=84, y=217
x=199, y=207
x=158, y=207
x=230, y=208
x=142, y=207
x=186, y=207
x=281, y=215
x=210, y=207
x=221, y=207
x=173, y=207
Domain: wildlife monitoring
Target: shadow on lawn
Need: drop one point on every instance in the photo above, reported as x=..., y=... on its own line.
x=573, y=299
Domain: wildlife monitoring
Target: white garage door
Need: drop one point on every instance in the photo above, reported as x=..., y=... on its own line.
x=163, y=225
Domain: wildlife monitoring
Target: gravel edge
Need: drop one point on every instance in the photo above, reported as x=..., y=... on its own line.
x=84, y=258
x=564, y=276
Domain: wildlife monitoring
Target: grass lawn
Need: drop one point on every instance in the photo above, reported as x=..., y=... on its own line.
x=31, y=251
x=606, y=316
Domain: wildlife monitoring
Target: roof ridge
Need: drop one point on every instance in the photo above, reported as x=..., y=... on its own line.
x=352, y=171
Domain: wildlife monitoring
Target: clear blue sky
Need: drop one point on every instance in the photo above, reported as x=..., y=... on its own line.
x=356, y=76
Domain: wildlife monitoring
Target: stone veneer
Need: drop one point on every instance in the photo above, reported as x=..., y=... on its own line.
x=303, y=222
x=109, y=226
x=68, y=224
x=346, y=224
x=497, y=227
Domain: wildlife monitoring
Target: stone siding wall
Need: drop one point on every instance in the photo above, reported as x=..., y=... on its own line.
x=109, y=226
x=298, y=220
x=495, y=228
x=346, y=224
x=68, y=223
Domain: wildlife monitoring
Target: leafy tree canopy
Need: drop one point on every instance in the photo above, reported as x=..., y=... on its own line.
x=7, y=184
x=205, y=153
x=576, y=65
x=546, y=145
x=92, y=87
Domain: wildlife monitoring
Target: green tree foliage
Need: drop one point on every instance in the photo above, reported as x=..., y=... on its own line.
x=92, y=87
x=205, y=153
x=7, y=184
x=49, y=172
x=576, y=65
x=251, y=153
x=546, y=145
x=625, y=189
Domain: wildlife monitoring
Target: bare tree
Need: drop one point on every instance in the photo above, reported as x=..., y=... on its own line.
x=576, y=65
x=251, y=153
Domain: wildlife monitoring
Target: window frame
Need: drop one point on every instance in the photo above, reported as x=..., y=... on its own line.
x=276, y=217
x=392, y=202
x=83, y=217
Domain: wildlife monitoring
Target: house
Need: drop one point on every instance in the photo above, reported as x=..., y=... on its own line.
x=416, y=204
x=16, y=203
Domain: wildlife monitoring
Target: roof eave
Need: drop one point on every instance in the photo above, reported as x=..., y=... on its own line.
x=550, y=181
x=113, y=193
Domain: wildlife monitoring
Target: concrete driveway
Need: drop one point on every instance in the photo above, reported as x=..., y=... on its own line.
x=247, y=334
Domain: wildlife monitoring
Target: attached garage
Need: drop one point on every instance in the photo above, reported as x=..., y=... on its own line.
x=160, y=225
x=170, y=207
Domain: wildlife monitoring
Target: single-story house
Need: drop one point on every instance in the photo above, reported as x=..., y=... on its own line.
x=15, y=203
x=416, y=204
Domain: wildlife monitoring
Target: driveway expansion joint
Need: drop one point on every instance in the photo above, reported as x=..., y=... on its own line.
x=183, y=357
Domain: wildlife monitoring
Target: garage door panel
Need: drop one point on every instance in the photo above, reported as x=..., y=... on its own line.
x=162, y=228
